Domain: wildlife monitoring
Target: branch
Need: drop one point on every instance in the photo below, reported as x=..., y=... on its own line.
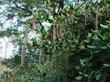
x=30, y=12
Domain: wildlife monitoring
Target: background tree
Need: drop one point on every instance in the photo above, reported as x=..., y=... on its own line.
x=74, y=48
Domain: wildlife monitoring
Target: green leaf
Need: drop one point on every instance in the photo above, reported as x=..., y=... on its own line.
x=104, y=26
x=77, y=67
x=108, y=45
x=78, y=78
x=91, y=46
x=86, y=75
x=30, y=1
x=98, y=76
x=108, y=22
x=104, y=47
x=95, y=37
x=106, y=65
x=82, y=62
x=89, y=35
x=82, y=46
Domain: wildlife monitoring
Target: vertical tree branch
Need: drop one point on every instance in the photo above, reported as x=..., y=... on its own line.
x=54, y=32
x=85, y=12
x=96, y=21
x=41, y=50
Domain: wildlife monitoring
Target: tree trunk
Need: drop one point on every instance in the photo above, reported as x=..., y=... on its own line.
x=24, y=47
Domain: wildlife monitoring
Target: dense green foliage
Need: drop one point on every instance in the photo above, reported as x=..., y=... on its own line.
x=75, y=48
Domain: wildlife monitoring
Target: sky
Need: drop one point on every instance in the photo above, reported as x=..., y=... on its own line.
x=3, y=42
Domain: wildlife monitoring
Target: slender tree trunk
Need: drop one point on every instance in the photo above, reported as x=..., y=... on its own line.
x=54, y=37
x=96, y=24
x=41, y=50
x=6, y=47
x=5, y=52
x=22, y=55
x=54, y=33
x=24, y=47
